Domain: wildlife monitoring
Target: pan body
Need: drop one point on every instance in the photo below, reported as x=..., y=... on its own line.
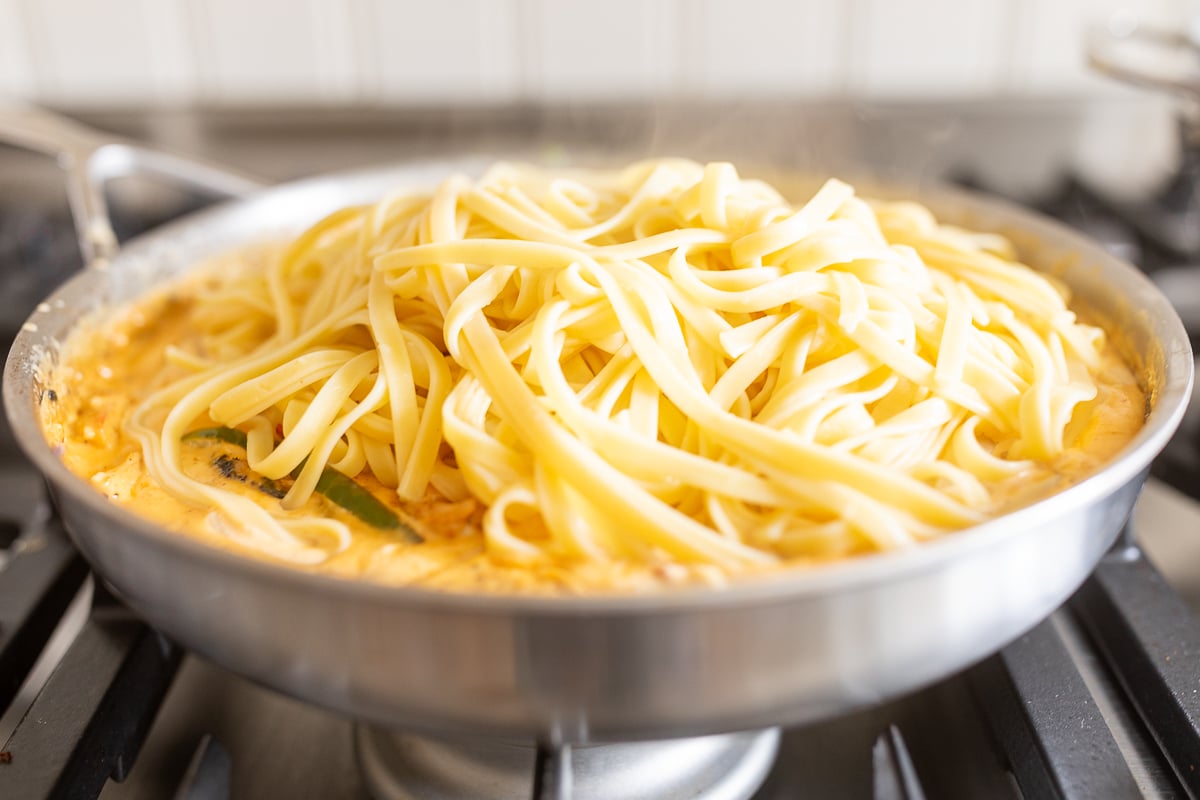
x=782, y=649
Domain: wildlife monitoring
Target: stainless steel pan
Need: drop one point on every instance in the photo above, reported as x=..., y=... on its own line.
x=783, y=649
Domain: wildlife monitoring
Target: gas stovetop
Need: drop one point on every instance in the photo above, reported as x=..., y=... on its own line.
x=1100, y=700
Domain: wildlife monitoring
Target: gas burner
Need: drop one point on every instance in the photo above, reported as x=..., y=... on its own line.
x=404, y=766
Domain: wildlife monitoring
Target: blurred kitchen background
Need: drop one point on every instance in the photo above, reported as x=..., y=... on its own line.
x=256, y=53
x=811, y=77
x=998, y=94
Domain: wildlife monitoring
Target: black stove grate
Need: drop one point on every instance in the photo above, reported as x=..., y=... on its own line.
x=36, y=588
x=89, y=719
x=1151, y=642
x=1081, y=706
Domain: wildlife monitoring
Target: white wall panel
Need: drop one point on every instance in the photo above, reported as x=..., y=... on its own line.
x=935, y=48
x=757, y=47
x=16, y=70
x=275, y=51
x=279, y=52
x=445, y=52
x=172, y=50
x=89, y=53
x=601, y=50
x=342, y=73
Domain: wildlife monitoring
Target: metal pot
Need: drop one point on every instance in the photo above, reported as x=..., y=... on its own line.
x=773, y=650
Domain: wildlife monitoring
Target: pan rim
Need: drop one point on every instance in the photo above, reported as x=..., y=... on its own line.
x=846, y=575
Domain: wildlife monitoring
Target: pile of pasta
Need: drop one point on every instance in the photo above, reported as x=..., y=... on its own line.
x=666, y=362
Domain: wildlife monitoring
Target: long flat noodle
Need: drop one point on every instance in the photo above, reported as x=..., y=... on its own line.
x=593, y=477
x=661, y=363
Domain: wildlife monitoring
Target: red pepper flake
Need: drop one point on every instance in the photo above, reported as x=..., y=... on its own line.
x=5, y=757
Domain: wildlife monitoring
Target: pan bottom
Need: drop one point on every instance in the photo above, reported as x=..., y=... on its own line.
x=405, y=766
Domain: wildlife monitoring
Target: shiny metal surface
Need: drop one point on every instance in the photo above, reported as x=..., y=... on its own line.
x=784, y=649
x=405, y=766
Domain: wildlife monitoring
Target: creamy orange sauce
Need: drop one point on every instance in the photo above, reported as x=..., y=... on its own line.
x=108, y=367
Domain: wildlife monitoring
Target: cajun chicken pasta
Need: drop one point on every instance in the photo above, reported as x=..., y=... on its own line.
x=553, y=380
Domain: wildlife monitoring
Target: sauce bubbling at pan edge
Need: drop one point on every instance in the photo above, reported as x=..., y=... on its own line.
x=593, y=380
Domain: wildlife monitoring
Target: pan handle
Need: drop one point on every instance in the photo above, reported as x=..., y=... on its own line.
x=1145, y=56
x=91, y=158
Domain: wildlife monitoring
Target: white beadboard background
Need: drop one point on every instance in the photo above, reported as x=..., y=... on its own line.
x=96, y=53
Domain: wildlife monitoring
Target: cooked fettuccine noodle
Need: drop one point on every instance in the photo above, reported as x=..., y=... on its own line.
x=665, y=364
